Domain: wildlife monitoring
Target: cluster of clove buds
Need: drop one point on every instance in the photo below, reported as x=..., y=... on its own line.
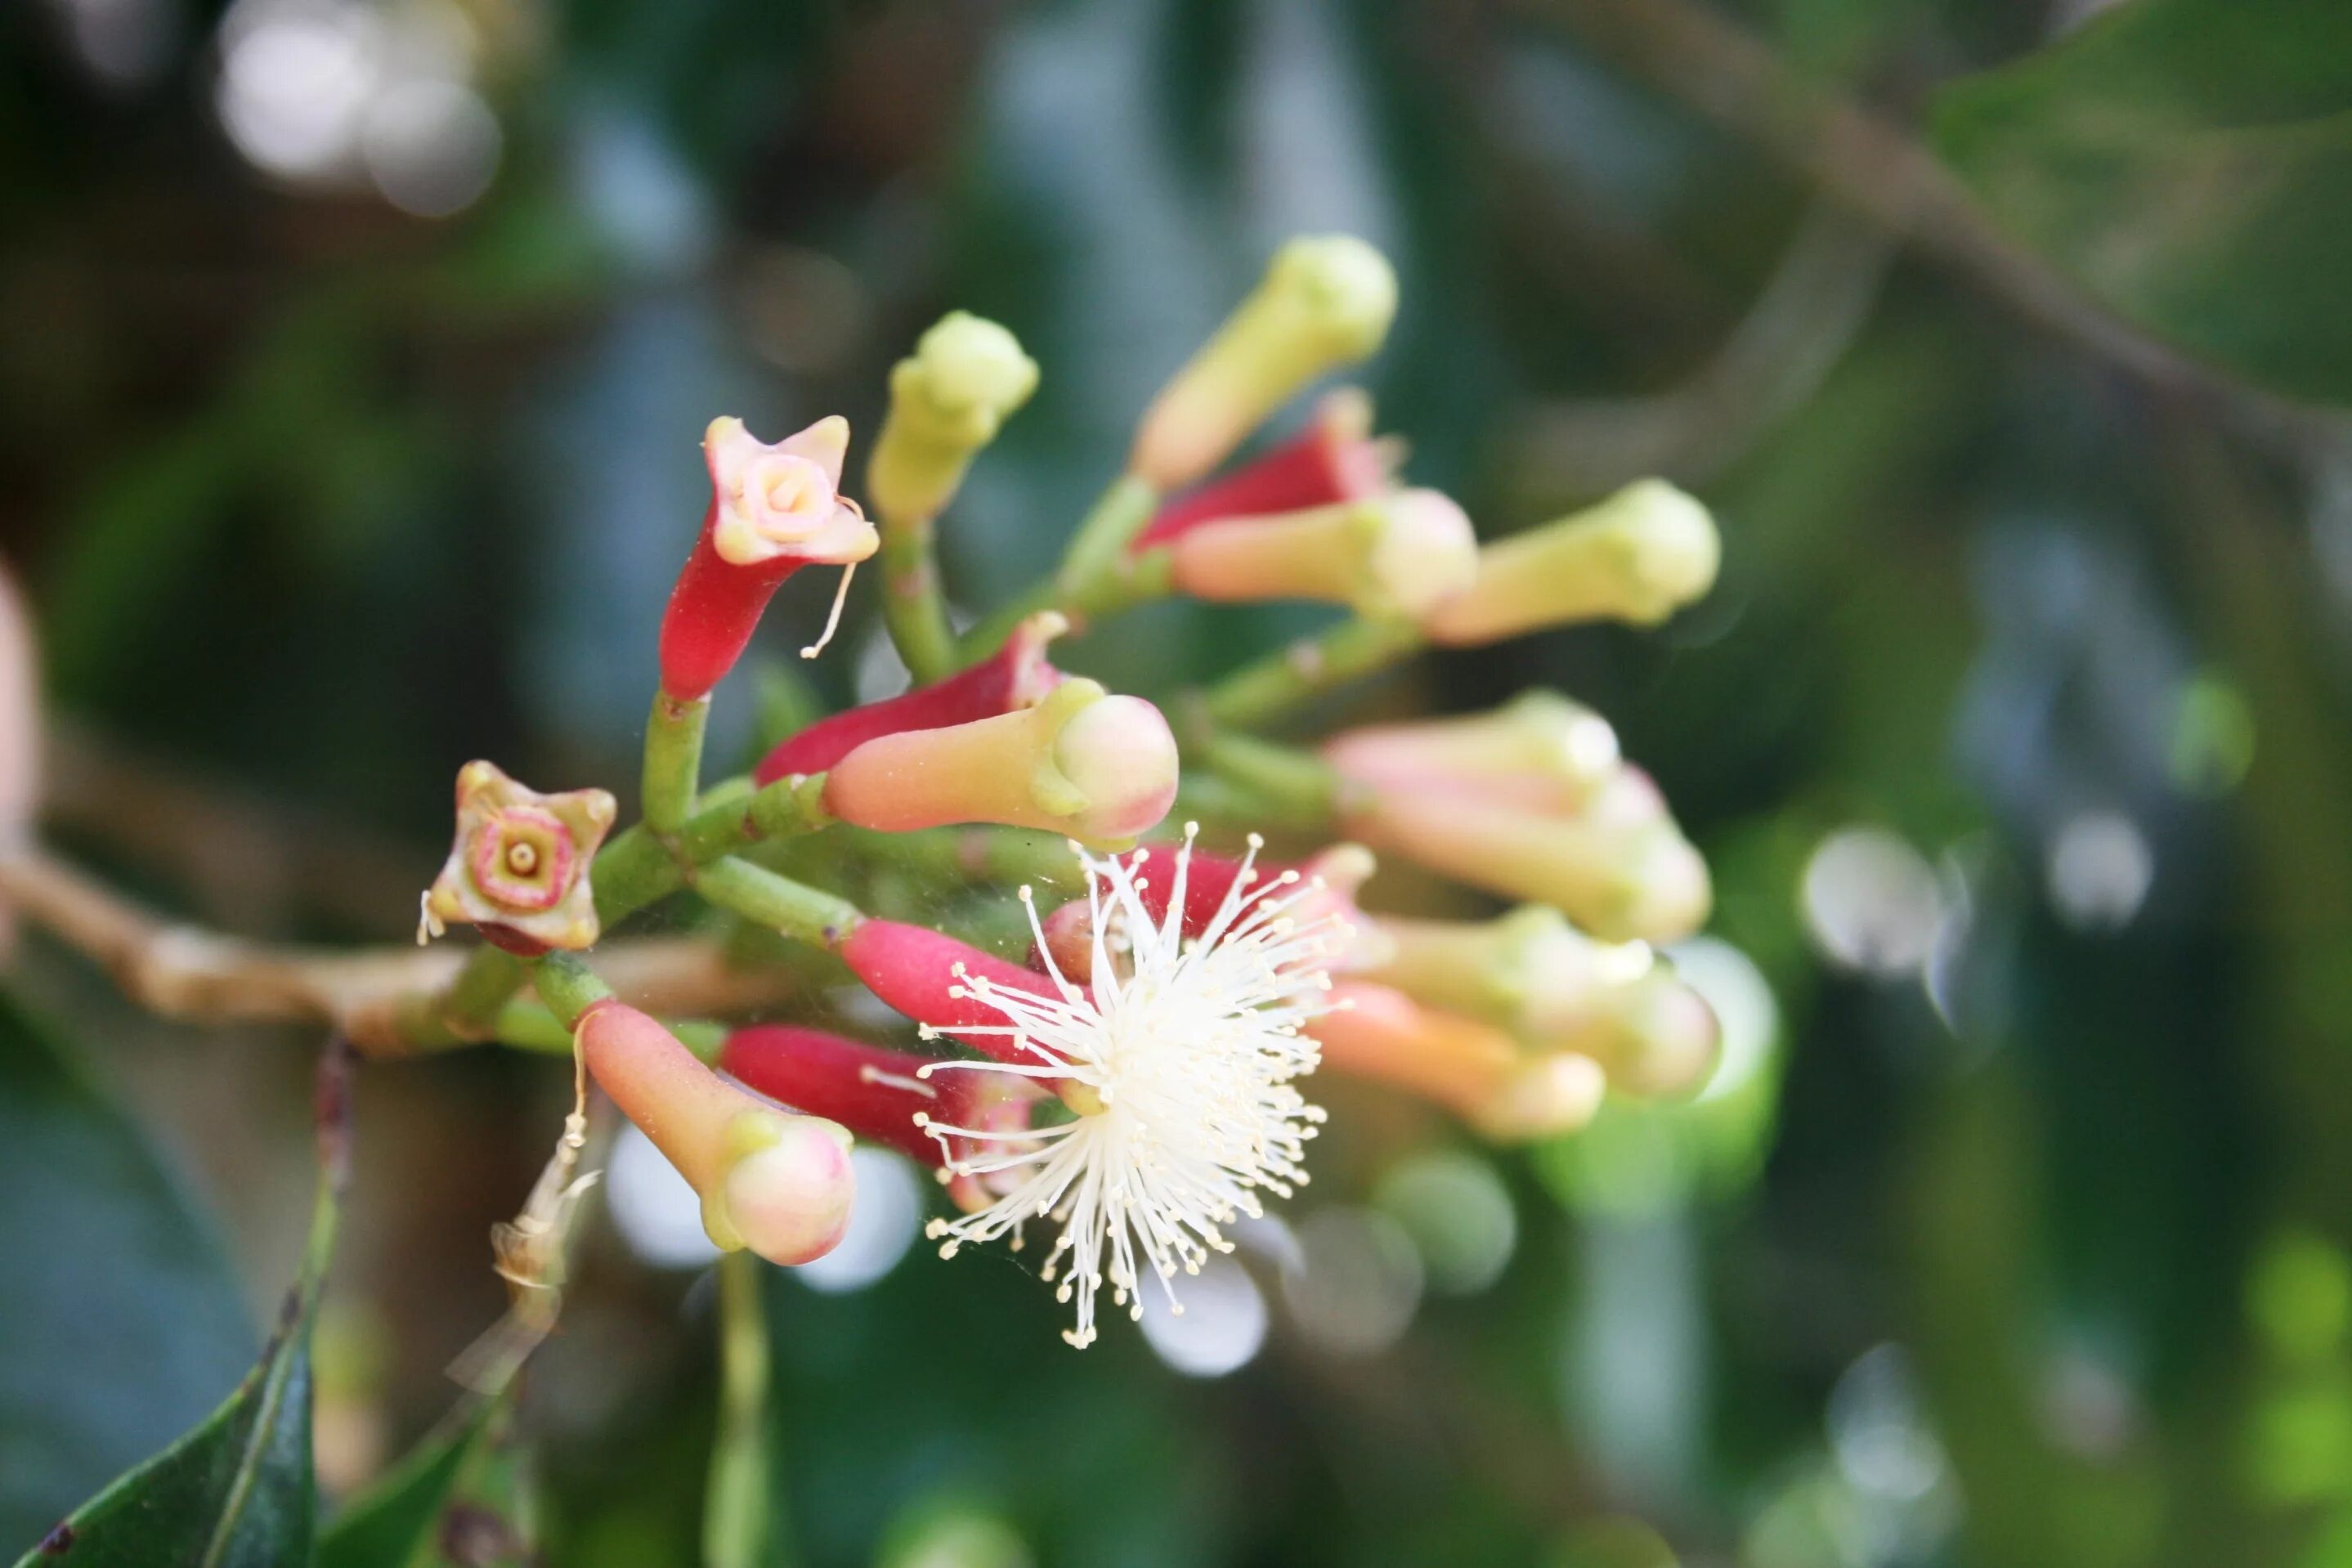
x=1130, y=1075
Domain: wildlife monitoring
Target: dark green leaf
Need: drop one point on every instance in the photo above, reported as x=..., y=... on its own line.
x=452, y=1498
x=235, y=1493
x=124, y=1325
x=2190, y=161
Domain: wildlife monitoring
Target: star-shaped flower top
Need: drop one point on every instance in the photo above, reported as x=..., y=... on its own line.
x=518, y=868
x=771, y=500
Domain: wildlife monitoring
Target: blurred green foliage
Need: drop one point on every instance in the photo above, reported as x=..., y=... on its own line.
x=2022, y=1241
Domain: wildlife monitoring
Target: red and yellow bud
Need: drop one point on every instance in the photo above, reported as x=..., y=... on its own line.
x=1399, y=554
x=965, y=378
x=774, y=509
x=517, y=871
x=1638, y=556
x=892, y=1098
x=778, y=1183
x=1557, y=989
x=1540, y=751
x=1473, y=1068
x=1323, y=304
x=1100, y=768
x=1334, y=459
x=1017, y=676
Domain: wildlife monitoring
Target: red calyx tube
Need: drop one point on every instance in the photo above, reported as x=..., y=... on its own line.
x=1015, y=676
x=914, y=970
x=1319, y=466
x=871, y=1089
x=712, y=613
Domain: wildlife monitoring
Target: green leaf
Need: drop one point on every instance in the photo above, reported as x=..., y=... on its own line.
x=453, y=1499
x=2190, y=161
x=123, y=1324
x=235, y=1493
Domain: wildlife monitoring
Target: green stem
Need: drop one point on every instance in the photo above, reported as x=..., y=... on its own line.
x=996, y=626
x=963, y=855
x=798, y=911
x=568, y=986
x=637, y=868
x=912, y=606
x=1091, y=569
x=1300, y=788
x=673, y=760
x=1129, y=581
x=1259, y=693
x=1099, y=548
x=528, y=1026
x=738, y=1520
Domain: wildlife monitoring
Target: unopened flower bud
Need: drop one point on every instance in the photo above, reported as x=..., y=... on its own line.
x=1323, y=304
x=1015, y=676
x=1334, y=459
x=517, y=871
x=1540, y=751
x=965, y=378
x=1474, y=1068
x=1638, y=556
x=1097, y=767
x=940, y=982
x=778, y=1183
x=1546, y=1098
x=1663, y=1041
x=1330, y=877
x=895, y=1098
x=774, y=509
x=1399, y=554
x=1558, y=990
x=1647, y=884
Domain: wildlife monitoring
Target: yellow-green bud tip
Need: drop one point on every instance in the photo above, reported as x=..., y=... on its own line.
x=1341, y=284
x=969, y=364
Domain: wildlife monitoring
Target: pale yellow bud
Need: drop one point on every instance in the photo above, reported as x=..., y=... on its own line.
x=1399, y=554
x=1546, y=1098
x=1539, y=749
x=965, y=378
x=1638, y=556
x=1100, y=768
x=1324, y=302
x=1648, y=884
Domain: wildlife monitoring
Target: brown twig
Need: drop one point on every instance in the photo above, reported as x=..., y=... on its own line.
x=1722, y=72
x=188, y=973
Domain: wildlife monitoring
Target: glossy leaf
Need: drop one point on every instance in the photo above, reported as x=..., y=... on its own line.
x=124, y=1325
x=236, y=1491
x=2190, y=161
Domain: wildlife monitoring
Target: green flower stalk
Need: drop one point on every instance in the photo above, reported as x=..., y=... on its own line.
x=965, y=378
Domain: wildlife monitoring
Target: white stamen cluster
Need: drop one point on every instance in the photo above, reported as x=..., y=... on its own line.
x=1179, y=1060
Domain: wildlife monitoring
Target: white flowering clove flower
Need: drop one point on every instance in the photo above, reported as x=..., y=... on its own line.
x=1180, y=1062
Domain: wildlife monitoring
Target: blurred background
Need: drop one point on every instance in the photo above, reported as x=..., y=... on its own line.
x=354, y=357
